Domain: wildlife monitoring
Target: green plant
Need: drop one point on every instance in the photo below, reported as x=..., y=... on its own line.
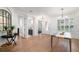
x=9, y=27
x=5, y=27
x=12, y=27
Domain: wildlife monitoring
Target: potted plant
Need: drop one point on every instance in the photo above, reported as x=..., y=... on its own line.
x=5, y=27
x=12, y=27
x=10, y=30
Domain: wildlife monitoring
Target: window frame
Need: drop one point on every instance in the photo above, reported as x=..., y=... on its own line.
x=6, y=18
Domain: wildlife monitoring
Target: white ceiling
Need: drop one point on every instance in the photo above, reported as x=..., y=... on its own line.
x=54, y=11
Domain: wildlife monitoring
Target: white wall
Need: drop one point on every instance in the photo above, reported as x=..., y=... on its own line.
x=75, y=32
x=52, y=25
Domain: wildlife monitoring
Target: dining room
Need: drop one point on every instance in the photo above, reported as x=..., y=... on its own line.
x=39, y=29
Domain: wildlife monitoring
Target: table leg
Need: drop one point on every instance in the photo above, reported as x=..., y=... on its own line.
x=70, y=45
x=13, y=41
x=8, y=40
x=51, y=42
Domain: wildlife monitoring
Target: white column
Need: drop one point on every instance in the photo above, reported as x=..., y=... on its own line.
x=35, y=27
x=25, y=27
x=21, y=26
x=43, y=27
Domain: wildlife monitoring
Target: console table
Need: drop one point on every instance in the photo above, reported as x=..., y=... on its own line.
x=12, y=37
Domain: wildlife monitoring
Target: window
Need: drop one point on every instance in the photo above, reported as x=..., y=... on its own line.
x=65, y=24
x=5, y=19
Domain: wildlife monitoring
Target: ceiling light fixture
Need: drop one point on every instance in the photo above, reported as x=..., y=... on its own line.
x=62, y=12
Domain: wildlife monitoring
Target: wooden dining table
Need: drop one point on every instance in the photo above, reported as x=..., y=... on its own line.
x=62, y=37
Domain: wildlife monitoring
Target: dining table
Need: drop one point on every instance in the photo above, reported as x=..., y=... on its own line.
x=64, y=37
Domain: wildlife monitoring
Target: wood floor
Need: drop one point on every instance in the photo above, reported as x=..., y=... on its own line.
x=41, y=43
